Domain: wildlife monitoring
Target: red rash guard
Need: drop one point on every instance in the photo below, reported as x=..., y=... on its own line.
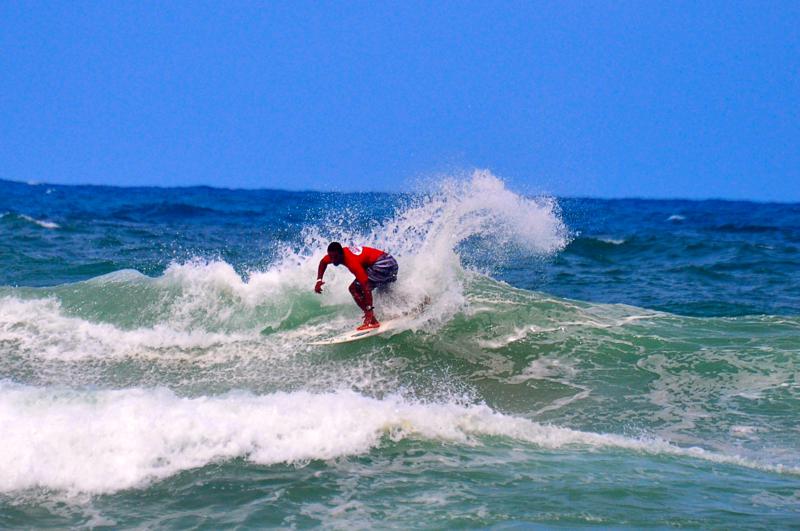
x=357, y=259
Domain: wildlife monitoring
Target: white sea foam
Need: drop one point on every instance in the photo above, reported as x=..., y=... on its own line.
x=39, y=328
x=105, y=441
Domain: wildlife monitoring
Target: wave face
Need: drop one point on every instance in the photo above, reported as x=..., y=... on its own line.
x=156, y=366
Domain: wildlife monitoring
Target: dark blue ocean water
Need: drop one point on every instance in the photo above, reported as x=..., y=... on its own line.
x=583, y=361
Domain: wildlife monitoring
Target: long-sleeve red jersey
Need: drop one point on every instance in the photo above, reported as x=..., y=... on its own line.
x=357, y=260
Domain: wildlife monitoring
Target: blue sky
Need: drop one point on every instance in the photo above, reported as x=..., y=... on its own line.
x=608, y=99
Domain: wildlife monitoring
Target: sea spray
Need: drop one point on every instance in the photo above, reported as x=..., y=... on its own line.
x=425, y=235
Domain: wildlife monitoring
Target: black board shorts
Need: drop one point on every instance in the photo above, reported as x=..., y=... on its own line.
x=383, y=272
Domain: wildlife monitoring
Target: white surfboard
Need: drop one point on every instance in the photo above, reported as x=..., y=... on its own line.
x=355, y=335
x=395, y=323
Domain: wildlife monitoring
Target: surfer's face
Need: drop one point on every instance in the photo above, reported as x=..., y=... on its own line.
x=336, y=257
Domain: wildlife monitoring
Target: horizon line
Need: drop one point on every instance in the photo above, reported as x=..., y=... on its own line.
x=385, y=192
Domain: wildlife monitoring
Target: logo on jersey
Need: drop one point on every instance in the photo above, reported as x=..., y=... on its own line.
x=355, y=249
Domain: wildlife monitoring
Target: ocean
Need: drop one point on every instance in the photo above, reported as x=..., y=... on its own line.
x=582, y=362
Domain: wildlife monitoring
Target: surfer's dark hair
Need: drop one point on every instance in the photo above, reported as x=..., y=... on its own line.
x=335, y=246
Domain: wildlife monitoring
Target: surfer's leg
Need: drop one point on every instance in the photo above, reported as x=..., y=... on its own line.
x=358, y=295
x=369, y=318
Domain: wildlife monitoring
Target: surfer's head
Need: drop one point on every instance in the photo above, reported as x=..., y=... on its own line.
x=336, y=253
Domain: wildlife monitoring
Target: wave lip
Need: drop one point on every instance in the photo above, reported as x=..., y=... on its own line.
x=46, y=224
x=106, y=441
x=41, y=222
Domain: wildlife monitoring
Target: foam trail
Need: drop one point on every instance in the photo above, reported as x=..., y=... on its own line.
x=106, y=441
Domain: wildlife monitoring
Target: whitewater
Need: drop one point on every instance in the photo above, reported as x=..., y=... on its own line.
x=582, y=362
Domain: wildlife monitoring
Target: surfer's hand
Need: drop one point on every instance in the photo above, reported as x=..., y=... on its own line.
x=318, y=286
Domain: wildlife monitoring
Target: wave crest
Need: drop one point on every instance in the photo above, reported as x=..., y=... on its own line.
x=132, y=437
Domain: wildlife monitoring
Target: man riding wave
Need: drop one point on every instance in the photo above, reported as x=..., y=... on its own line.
x=373, y=269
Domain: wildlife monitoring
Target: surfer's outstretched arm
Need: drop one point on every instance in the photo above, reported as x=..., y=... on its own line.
x=323, y=265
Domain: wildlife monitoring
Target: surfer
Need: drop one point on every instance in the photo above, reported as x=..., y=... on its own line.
x=373, y=269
